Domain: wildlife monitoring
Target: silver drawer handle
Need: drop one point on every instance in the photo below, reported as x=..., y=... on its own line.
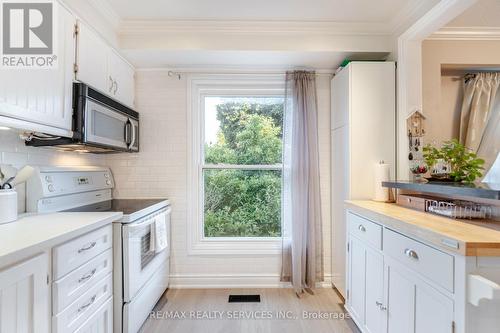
x=411, y=254
x=83, y=307
x=88, y=276
x=362, y=228
x=87, y=248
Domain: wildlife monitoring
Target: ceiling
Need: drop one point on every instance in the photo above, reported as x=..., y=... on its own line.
x=264, y=34
x=301, y=10
x=484, y=13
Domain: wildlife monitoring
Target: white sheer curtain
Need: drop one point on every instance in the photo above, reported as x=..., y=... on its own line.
x=480, y=118
x=302, y=259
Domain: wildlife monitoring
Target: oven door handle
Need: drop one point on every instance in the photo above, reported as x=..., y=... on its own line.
x=148, y=221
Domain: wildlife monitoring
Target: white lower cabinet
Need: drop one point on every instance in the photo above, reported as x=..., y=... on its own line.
x=82, y=293
x=24, y=297
x=387, y=295
x=413, y=306
x=83, y=289
x=366, y=277
x=101, y=321
x=357, y=279
x=374, y=316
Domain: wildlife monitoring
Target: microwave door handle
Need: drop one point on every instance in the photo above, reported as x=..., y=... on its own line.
x=128, y=130
x=132, y=141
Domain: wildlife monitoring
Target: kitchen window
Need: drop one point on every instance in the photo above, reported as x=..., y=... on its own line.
x=236, y=169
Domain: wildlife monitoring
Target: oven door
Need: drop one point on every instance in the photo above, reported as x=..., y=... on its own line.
x=105, y=126
x=139, y=262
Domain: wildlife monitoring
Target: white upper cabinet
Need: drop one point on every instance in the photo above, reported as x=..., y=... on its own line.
x=91, y=64
x=341, y=95
x=24, y=297
x=102, y=68
x=43, y=96
x=120, y=78
x=40, y=100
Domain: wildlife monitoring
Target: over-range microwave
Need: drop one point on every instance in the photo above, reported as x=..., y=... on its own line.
x=100, y=125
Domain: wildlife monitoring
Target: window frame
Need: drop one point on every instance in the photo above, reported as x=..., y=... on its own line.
x=216, y=85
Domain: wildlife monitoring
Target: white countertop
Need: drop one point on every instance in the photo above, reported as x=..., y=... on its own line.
x=36, y=233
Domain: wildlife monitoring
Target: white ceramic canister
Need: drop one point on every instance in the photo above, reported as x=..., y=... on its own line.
x=8, y=206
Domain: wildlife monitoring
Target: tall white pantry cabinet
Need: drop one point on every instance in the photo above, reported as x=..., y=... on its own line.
x=363, y=134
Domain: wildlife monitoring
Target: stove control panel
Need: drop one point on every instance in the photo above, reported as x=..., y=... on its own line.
x=52, y=182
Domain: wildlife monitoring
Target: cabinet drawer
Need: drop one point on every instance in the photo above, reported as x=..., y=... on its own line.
x=428, y=261
x=101, y=321
x=66, y=290
x=78, y=251
x=365, y=230
x=84, y=307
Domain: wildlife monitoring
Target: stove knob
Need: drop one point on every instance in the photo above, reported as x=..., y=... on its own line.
x=106, y=175
x=51, y=188
x=108, y=182
x=48, y=179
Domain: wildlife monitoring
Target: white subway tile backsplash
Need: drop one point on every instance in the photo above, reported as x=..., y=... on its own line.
x=14, y=152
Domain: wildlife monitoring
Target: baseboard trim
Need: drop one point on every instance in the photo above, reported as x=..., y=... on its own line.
x=214, y=281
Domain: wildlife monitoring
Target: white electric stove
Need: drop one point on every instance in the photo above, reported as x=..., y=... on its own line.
x=140, y=274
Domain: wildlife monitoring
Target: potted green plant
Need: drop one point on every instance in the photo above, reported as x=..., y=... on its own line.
x=461, y=164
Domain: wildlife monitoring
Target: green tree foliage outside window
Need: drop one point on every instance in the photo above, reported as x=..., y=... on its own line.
x=244, y=203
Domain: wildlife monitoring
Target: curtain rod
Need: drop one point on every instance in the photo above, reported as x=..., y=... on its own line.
x=179, y=74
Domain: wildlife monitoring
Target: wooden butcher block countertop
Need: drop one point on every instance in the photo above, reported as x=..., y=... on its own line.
x=465, y=237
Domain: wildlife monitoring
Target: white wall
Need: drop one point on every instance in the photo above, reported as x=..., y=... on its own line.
x=160, y=170
x=15, y=153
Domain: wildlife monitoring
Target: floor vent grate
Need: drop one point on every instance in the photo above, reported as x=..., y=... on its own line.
x=244, y=298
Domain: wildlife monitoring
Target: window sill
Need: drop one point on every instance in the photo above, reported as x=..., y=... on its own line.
x=236, y=246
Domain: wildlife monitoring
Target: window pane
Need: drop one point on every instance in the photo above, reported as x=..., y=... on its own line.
x=242, y=203
x=243, y=130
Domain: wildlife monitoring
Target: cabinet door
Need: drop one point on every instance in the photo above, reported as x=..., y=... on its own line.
x=375, y=314
x=434, y=311
x=92, y=53
x=400, y=302
x=43, y=96
x=340, y=192
x=24, y=297
x=414, y=306
x=341, y=94
x=357, y=279
x=122, y=75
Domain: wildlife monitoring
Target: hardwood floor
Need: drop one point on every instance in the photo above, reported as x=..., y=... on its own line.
x=208, y=310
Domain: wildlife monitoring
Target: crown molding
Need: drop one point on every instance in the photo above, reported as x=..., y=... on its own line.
x=235, y=27
x=107, y=11
x=466, y=33
x=232, y=70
